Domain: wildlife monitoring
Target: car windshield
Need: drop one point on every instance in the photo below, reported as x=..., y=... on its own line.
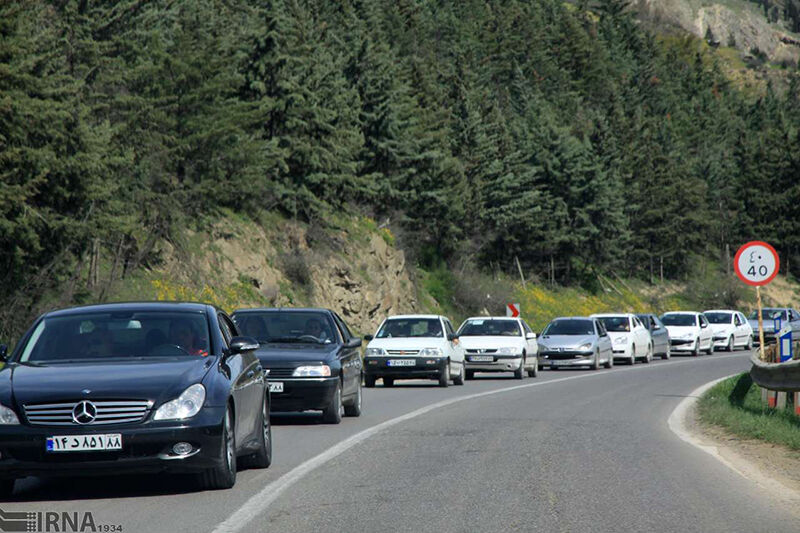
x=769, y=313
x=679, y=320
x=410, y=327
x=569, y=327
x=124, y=334
x=480, y=327
x=719, y=318
x=616, y=323
x=309, y=327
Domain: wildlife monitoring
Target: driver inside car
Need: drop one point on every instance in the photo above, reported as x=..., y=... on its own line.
x=182, y=334
x=315, y=329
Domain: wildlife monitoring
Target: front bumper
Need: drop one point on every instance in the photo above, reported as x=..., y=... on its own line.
x=422, y=367
x=559, y=359
x=678, y=345
x=622, y=351
x=146, y=448
x=303, y=394
x=499, y=363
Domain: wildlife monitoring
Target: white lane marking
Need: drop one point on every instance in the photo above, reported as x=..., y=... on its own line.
x=259, y=502
x=746, y=469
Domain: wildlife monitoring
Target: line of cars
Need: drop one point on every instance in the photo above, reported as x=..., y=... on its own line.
x=185, y=388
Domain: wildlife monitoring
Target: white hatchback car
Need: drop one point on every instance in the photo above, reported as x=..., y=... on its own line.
x=414, y=347
x=630, y=339
x=730, y=328
x=689, y=331
x=499, y=344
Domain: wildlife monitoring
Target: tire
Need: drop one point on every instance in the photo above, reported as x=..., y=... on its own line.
x=610, y=362
x=263, y=457
x=519, y=373
x=535, y=372
x=444, y=377
x=649, y=356
x=696, y=351
x=730, y=346
x=224, y=475
x=749, y=346
x=595, y=362
x=710, y=349
x=666, y=355
x=369, y=381
x=333, y=412
x=470, y=374
x=460, y=378
x=7, y=487
x=388, y=382
x=354, y=409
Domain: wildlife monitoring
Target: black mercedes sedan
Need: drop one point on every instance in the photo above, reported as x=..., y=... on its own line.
x=312, y=359
x=133, y=388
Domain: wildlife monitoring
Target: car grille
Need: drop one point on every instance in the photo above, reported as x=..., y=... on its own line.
x=280, y=372
x=481, y=351
x=108, y=412
x=402, y=352
x=676, y=342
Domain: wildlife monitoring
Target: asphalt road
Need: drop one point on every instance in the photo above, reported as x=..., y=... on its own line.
x=568, y=451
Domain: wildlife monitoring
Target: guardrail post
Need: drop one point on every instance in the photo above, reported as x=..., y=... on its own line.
x=780, y=400
x=797, y=403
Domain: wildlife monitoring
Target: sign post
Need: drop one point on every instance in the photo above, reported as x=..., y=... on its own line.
x=513, y=310
x=757, y=263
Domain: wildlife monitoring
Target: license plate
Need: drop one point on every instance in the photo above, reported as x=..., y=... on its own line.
x=402, y=362
x=482, y=358
x=276, y=386
x=84, y=443
x=556, y=363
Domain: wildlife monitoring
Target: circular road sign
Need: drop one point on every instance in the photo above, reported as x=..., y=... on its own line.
x=756, y=263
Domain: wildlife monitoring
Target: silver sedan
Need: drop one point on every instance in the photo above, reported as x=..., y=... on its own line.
x=575, y=341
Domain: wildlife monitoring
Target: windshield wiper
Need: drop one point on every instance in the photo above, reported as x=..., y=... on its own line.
x=273, y=340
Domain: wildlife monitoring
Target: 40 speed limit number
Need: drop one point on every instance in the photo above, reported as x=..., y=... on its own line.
x=756, y=263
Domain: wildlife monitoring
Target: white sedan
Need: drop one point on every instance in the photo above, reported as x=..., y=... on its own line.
x=730, y=328
x=499, y=344
x=689, y=331
x=630, y=339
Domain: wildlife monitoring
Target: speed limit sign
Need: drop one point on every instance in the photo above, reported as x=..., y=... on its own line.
x=756, y=263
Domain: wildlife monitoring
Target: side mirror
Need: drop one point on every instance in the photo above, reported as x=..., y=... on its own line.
x=354, y=342
x=703, y=326
x=243, y=344
x=452, y=337
x=656, y=326
x=3, y=352
x=368, y=337
x=530, y=336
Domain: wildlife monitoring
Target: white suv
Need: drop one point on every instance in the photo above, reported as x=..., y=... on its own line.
x=689, y=331
x=414, y=347
x=730, y=328
x=630, y=339
x=499, y=344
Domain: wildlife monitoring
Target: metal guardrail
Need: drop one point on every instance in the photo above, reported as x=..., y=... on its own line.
x=783, y=377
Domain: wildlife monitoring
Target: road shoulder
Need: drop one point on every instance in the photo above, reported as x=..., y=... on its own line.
x=773, y=467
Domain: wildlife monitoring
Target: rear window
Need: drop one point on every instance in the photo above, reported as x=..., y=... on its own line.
x=569, y=327
x=95, y=336
x=498, y=328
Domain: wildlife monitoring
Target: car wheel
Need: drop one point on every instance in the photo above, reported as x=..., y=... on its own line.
x=595, y=362
x=459, y=379
x=749, y=347
x=223, y=476
x=610, y=362
x=333, y=412
x=519, y=373
x=470, y=374
x=632, y=360
x=354, y=409
x=369, y=381
x=263, y=457
x=444, y=377
x=667, y=354
x=696, y=351
x=649, y=356
x=388, y=382
x=729, y=348
x=7, y=487
x=535, y=371
x=710, y=349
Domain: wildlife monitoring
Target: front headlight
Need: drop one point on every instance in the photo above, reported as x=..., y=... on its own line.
x=430, y=352
x=621, y=340
x=509, y=350
x=316, y=371
x=585, y=347
x=186, y=405
x=7, y=416
x=374, y=352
